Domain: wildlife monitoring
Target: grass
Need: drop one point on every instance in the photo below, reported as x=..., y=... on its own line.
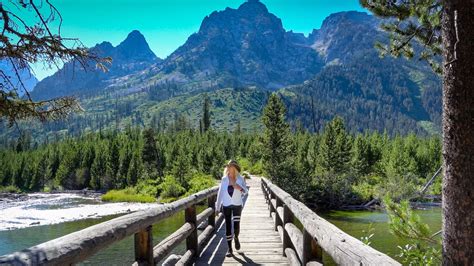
x=126, y=195
x=9, y=189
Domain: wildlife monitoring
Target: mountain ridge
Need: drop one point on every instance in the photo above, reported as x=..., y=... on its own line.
x=130, y=56
x=335, y=66
x=247, y=46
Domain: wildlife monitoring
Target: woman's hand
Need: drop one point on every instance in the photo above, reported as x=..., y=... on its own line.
x=237, y=186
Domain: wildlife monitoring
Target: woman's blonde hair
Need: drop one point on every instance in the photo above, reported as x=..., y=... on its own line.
x=226, y=171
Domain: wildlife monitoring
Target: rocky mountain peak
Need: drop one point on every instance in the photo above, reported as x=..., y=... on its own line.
x=247, y=46
x=335, y=20
x=344, y=35
x=250, y=16
x=253, y=7
x=135, y=47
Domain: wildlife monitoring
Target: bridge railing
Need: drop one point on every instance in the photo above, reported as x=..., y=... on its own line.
x=305, y=247
x=80, y=245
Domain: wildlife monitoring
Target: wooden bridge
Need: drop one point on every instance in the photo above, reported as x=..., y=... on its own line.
x=275, y=229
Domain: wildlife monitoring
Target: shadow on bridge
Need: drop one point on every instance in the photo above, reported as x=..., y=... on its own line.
x=216, y=249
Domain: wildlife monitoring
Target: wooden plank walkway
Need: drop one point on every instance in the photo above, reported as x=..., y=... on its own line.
x=260, y=243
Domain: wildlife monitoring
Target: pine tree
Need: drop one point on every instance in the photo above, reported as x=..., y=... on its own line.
x=361, y=156
x=54, y=162
x=238, y=129
x=113, y=163
x=206, y=114
x=65, y=175
x=8, y=174
x=125, y=159
x=98, y=169
x=135, y=170
x=150, y=152
x=42, y=173
x=182, y=165
x=278, y=149
x=86, y=162
x=335, y=147
x=407, y=21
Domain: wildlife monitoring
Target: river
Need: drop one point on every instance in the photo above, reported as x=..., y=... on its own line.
x=63, y=213
x=355, y=223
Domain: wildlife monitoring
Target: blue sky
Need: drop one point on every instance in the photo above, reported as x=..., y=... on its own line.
x=166, y=24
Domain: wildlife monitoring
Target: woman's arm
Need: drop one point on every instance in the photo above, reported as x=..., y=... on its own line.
x=219, y=197
x=243, y=186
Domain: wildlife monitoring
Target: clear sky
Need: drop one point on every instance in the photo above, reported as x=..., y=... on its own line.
x=166, y=24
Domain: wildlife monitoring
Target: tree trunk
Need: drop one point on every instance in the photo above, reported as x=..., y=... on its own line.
x=458, y=132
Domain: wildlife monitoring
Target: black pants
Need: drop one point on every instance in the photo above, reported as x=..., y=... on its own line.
x=232, y=211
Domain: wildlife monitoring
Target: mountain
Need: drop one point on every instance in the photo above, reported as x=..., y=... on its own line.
x=130, y=56
x=345, y=36
x=244, y=54
x=26, y=77
x=396, y=95
x=247, y=46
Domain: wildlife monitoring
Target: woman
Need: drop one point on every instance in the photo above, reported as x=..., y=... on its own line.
x=229, y=196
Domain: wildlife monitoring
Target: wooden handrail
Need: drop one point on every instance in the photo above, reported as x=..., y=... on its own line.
x=80, y=245
x=318, y=234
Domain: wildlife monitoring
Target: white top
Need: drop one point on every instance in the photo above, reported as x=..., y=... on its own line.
x=223, y=197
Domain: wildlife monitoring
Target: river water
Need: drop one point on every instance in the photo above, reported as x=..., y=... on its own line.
x=62, y=214
x=357, y=224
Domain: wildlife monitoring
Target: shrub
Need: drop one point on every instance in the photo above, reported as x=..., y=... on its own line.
x=257, y=168
x=244, y=163
x=398, y=187
x=364, y=191
x=329, y=191
x=148, y=187
x=10, y=189
x=126, y=195
x=170, y=188
x=199, y=182
x=367, y=188
x=436, y=187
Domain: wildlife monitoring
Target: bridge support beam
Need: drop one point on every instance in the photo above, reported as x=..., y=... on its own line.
x=311, y=250
x=211, y=201
x=270, y=198
x=287, y=218
x=192, y=239
x=278, y=220
x=144, y=247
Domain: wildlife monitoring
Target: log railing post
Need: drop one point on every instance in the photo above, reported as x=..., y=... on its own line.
x=192, y=239
x=211, y=202
x=311, y=250
x=271, y=196
x=278, y=220
x=144, y=247
x=265, y=194
x=287, y=218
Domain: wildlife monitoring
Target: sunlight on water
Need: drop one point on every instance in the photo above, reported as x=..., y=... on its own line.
x=44, y=209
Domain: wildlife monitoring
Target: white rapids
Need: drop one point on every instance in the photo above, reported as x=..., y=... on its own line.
x=45, y=209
